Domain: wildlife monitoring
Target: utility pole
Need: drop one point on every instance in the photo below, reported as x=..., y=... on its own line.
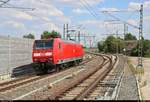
x=124, y=30
x=67, y=31
x=90, y=43
x=84, y=41
x=89, y=38
x=124, y=39
x=93, y=40
x=75, y=37
x=79, y=36
x=140, y=53
x=64, y=31
x=117, y=41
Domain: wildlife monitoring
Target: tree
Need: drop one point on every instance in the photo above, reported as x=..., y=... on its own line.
x=129, y=36
x=110, y=44
x=45, y=34
x=146, y=48
x=29, y=36
x=52, y=34
x=134, y=51
x=55, y=34
x=120, y=45
x=100, y=46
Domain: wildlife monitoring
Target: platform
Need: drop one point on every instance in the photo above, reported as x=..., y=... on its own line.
x=145, y=89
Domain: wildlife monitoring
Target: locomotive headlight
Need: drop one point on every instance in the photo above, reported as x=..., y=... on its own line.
x=48, y=54
x=36, y=54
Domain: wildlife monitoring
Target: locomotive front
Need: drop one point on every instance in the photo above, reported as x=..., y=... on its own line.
x=42, y=54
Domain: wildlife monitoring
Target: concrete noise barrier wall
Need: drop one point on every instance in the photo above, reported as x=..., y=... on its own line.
x=14, y=52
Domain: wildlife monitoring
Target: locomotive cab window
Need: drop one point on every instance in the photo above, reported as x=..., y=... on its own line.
x=43, y=44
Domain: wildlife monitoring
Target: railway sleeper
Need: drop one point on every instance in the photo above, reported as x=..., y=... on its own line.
x=108, y=84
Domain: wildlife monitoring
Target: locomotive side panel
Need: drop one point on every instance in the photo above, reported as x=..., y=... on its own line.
x=56, y=51
x=64, y=51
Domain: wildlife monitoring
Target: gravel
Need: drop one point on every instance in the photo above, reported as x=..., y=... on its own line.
x=12, y=94
x=128, y=89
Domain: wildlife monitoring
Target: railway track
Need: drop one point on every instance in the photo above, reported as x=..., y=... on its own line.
x=43, y=91
x=17, y=82
x=109, y=87
x=82, y=89
x=91, y=83
x=91, y=76
x=27, y=79
x=9, y=85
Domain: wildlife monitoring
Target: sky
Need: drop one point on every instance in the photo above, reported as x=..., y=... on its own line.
x=83, y=15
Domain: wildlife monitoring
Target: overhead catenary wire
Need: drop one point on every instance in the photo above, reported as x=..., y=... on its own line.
x=89, y=6
x=107, y=12
x=121, y=20
x=19, y=8
x=121, y=11
x=83, y=3
x=14, y=7
x=116, y=18
x=26, y=10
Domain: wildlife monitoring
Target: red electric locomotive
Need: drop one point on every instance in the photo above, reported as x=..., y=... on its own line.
x=55, y=53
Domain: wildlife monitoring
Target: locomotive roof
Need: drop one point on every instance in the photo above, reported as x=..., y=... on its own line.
x=70, y=41
x=65, y=41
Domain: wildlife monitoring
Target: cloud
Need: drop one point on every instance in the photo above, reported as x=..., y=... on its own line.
x=15, y=14
x=79, y=11
x=109, y=9
x=77, y=3
x=136, y=6
x=146, y=26
x=91, y=22
x=133, y=22
x=46, y=16
x=23, y=15
x=147, y=4
x=15, y=24
x=43, y=8
x=47, y=9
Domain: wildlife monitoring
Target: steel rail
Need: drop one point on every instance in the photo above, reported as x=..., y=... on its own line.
x=28, y=79
x=82, y=95
x=57, y=93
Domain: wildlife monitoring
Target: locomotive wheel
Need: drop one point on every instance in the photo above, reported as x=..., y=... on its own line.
x=71, y=64
x=80, y=60
x=56, y=67
x=41, y=69
x=36, y=67
x=44, y=69
x=62, y=66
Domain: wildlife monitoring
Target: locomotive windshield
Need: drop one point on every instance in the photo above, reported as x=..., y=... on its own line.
x=43, y=44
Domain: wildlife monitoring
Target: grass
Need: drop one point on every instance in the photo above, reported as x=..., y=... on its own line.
x=135, y=70
x=131, y=67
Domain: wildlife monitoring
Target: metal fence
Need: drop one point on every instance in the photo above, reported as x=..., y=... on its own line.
x=14, y=52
